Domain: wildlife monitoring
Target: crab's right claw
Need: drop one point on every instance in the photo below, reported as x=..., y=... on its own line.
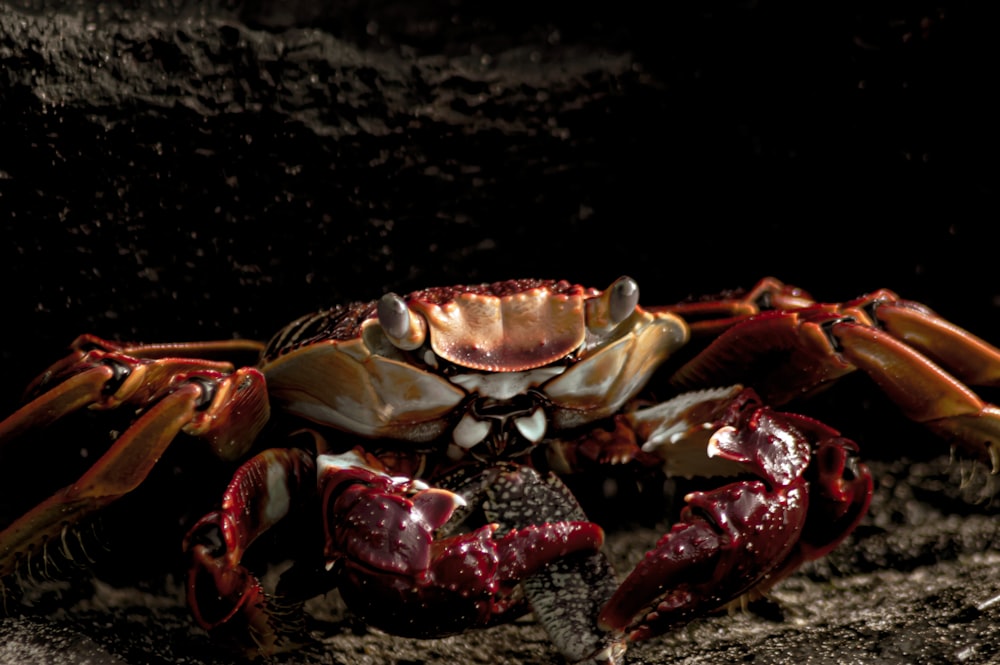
x=383, y=534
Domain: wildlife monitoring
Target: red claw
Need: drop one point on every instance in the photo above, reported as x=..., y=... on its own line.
x=728, y=540
x=748, y=534
x=381, y=531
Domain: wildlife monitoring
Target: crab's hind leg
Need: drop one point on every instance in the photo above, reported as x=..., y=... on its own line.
x=920, y=361
x=172, y=395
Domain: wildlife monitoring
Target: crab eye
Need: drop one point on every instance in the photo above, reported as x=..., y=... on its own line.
x=623, y=300
x=614, y=305
x=393, y=315
x=405, y=329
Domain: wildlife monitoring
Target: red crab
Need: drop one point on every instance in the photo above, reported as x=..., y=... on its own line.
x=442, y=422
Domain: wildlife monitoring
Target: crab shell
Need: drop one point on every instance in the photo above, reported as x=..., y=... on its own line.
x=401, y=368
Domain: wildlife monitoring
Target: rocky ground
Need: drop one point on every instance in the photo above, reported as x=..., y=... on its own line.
x=181, y=171
x=914, y=585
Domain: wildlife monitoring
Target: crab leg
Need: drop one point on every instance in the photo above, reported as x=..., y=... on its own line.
x=223, y=595
x=748, y=534
x=923, y=391
x=895, y=342
x=105, y=375
x=971, y=359
x=75, y=393
x=201, y=403
x=709, y=318
x=85, y=347
x=119, y=471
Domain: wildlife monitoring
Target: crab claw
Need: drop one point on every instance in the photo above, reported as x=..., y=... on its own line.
x=381, y=532
x=728, y=540
x=840, y=491
x=747, y=534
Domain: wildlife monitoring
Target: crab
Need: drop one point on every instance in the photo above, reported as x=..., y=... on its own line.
x=433, y=434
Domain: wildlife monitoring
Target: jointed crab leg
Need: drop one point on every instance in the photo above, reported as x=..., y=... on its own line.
x=892, y=340
x=173, y=395
x=968, y=357
x=709, y=318
x=85, y=348
x=117, y=472
x=72, y=395
x=924, y=392
x=222, y=593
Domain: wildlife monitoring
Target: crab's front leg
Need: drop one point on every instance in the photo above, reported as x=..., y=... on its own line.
x=224, y=596
x=801, y=492
x=382, y=550
x=202, y=398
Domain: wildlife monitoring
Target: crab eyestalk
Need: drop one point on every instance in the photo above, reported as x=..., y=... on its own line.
x=613, y=306
x=406, y=329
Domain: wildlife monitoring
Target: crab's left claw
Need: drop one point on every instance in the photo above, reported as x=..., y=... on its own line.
x=748, y=534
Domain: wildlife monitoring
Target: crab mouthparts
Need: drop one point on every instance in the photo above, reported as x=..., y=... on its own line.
x=474, y=428
x=505, y=405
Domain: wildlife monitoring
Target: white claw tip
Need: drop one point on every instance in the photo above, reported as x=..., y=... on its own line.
x=611, y=654
x=712, y=448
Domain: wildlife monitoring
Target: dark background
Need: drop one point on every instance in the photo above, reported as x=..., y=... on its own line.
x=181, y=171
x=193, y=171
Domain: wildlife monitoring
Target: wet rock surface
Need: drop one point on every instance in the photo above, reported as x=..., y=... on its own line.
x=190, y=171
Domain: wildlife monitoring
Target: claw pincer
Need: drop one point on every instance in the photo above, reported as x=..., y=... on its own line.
x=381, y=532
x=746, y=535
x=382, y=546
